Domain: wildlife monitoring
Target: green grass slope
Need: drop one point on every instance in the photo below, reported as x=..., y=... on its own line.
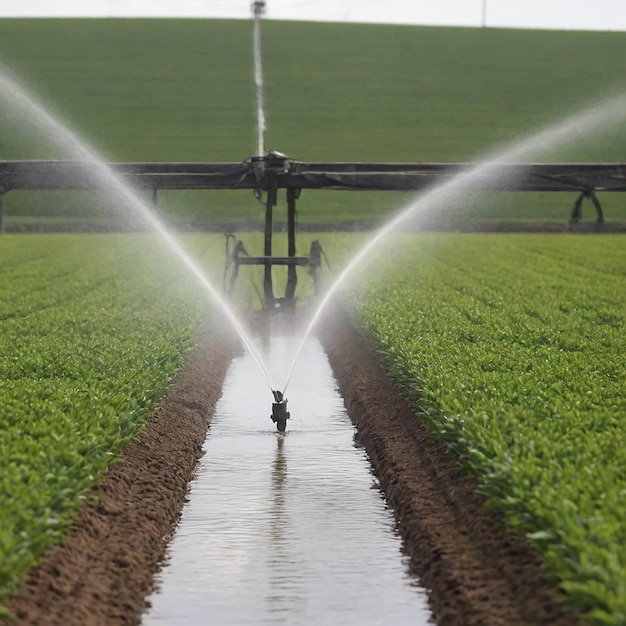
x=177, y=90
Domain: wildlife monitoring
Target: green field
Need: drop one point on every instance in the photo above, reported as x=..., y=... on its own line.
x=514, y=349
x=513, y=346
x=180, y=90
x=93, y=327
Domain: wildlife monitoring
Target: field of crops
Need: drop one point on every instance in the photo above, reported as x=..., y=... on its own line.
x=514, y=348
x=93, y=328
x=513, y=345
x=333, y=92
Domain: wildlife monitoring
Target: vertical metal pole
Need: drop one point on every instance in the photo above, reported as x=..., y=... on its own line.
x=268, y=289
x=597, y=206
x=1, y=213
x=292, y=277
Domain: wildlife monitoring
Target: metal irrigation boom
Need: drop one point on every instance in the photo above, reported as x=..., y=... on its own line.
x=279, y=172
x=267, y=174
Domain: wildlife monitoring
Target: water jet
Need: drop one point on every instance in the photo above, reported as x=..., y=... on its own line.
x=267, y=174
x=92, y=172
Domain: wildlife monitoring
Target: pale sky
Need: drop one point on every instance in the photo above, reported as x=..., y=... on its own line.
x=554, y=14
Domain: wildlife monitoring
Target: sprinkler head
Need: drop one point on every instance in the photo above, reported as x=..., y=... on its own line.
x=279, y=415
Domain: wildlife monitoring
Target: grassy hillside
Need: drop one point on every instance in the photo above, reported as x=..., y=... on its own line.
x=175, y=90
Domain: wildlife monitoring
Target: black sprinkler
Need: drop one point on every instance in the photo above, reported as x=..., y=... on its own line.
x=280, y=415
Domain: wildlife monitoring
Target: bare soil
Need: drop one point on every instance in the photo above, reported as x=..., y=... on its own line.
x=476, y=574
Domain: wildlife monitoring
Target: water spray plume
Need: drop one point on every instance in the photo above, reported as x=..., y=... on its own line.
x=484, y=173
x=258, y=81
x=121, y=191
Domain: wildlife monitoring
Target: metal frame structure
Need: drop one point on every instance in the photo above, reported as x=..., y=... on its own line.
x=276, y=171
x=268, y=174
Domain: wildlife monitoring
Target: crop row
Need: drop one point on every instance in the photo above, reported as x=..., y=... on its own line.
x=513, y=348
x=92, y=329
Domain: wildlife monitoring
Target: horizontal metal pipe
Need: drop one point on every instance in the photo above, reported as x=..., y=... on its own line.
x=288, y=174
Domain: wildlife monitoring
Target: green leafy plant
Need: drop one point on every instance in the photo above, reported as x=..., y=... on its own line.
x=93, y=328
x=513, y=348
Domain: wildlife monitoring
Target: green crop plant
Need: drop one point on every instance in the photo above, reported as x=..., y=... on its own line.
x=513, y=350
x=92, y=329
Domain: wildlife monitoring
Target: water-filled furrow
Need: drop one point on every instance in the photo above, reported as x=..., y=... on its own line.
x=285, y=528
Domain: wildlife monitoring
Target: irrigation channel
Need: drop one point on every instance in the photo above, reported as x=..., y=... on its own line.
x=285, y=528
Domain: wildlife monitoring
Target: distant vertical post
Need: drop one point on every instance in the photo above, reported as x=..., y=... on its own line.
x=1, y=212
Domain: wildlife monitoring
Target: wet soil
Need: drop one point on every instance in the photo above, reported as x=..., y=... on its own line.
x=475, y=573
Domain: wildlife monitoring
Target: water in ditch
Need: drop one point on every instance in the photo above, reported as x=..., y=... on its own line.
x=285, y=528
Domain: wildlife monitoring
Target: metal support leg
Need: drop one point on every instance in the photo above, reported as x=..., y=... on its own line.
x=292, y=277
x=597, y=206
x=576, y=213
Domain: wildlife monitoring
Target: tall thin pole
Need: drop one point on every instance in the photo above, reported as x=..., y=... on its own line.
x=483, y=18
x=258, y=7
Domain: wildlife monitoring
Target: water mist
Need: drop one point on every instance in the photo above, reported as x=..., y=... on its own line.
x=483, y=175
x=120, y=191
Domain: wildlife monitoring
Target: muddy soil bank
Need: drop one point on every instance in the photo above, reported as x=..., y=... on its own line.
x=476, y=574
